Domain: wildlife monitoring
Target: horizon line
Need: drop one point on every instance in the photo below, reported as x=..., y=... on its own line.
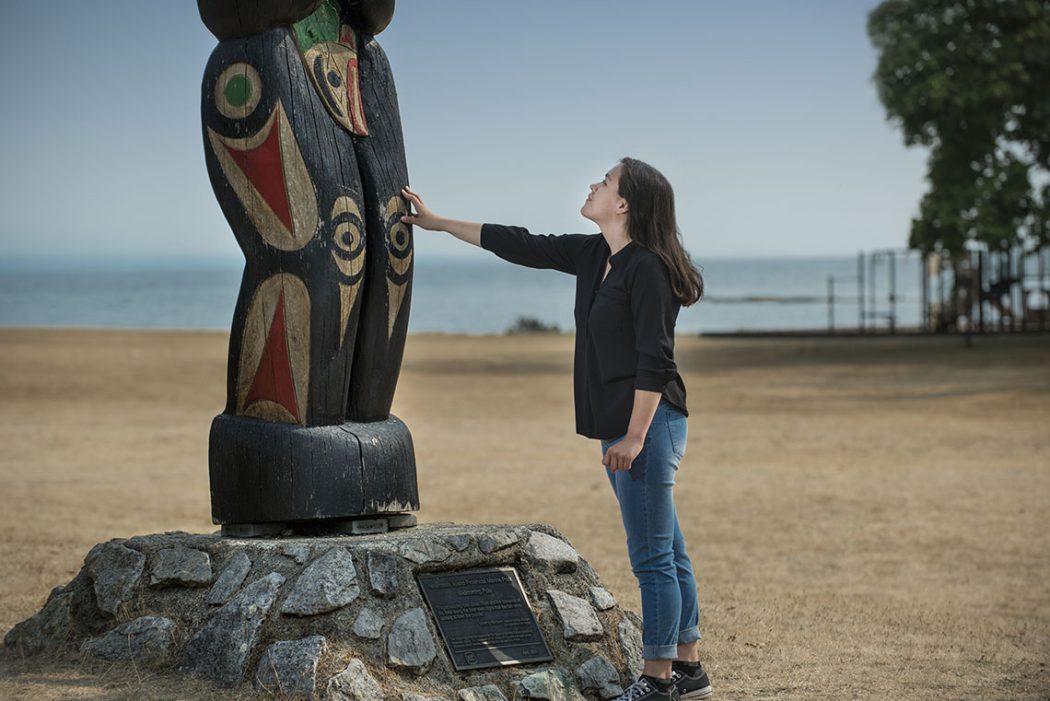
x=42, y=262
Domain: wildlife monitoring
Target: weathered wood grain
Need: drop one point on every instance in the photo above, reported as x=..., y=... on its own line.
x=312, y=196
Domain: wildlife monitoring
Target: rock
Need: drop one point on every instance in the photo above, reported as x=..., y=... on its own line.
x=631, y=645
x=602, y=599
x=360, y=593
x=115, y=570
x=489, y=692
x=328, y=583
x=551, y=553
x=420, y=550
x=578, y=619
x=369, y=624
x=382, y=573
x=459, y=541
x=300, y=552
x=410, y=644
x=597, y=674
x=354, y=684
x=290, y=666
x=230, y=579
x=52, y=625
x=220, y=649
x=550, y=684
x=497, y=540
x=180, y=566
x=146, y=639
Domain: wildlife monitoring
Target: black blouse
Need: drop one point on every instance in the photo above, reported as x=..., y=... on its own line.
x=624, y=324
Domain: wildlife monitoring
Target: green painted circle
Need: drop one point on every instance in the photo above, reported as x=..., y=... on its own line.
x=238, y=90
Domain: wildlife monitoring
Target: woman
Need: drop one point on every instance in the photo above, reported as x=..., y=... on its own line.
x=631, y=280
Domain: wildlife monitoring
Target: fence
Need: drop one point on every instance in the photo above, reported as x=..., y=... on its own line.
x=980, y=291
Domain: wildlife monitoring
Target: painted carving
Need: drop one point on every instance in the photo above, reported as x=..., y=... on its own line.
x=399, y=250
x=304, y=148
x=275, y=352
x=267, y=172
x=348, y=252
x=327, y=48
x=302, y=140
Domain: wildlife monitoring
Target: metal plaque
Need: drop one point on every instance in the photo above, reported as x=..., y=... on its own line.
x=484, y=618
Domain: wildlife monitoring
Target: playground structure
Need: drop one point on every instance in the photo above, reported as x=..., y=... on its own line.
x=978, y=291
x=990, y=291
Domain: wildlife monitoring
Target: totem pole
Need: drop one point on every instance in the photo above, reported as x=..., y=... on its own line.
x=303, y=144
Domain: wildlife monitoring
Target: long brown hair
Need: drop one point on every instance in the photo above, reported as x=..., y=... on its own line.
x=651, y=222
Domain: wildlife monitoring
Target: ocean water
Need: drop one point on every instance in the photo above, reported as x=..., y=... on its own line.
x=474, y=296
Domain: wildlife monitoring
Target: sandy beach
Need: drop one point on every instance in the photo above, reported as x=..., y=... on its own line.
x=867, y=516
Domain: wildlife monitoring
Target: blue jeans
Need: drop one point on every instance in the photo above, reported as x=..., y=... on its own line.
x=655, y=545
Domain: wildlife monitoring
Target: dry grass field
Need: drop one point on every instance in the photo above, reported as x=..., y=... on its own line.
x=869, y=518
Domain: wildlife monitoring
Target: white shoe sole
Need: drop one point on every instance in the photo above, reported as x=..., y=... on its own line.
x=698, y=693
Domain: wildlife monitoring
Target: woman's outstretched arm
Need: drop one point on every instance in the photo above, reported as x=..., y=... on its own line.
x=464, y=230
x=511, y=243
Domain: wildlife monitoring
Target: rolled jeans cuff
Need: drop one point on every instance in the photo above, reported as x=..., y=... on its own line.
x=659, y=652
x=688, y=635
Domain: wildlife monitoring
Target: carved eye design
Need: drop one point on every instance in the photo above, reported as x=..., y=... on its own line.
x=238, y=91
x=348, y=241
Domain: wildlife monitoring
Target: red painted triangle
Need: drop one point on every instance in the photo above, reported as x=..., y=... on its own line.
x=273, y=379
x=265, y=170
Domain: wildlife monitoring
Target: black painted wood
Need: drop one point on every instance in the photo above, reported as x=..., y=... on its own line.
x=370, y=16
x=262, y=471
x=384, y=171
x=232, y=19
x=315, y=209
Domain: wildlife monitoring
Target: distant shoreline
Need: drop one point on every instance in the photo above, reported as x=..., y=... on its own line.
x=801, y=334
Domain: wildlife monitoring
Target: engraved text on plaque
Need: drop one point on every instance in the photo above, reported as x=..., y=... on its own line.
x=484, y=618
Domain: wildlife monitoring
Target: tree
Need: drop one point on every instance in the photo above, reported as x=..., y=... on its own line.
x=970, y=79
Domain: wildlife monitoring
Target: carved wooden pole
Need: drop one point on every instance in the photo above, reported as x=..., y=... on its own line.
x=303, y=145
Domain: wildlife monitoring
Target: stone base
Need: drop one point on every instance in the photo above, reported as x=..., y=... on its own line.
x=268, y=472
x=340, y=617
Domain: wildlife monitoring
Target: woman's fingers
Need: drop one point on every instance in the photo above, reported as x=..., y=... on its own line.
x=412, y=197
x=610, y=459
x=616, y=461
x=415, y=199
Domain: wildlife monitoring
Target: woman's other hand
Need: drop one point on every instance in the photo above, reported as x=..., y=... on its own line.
x=423, y=217
x=620, y=455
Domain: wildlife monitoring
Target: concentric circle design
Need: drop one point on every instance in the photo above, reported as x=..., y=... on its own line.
x=347, y=238
x=238, y=91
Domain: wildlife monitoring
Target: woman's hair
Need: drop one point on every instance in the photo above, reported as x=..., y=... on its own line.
x=651, y=222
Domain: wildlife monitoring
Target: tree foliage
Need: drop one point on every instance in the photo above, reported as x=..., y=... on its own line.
x=970, y=79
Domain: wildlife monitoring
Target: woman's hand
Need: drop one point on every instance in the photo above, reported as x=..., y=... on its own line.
x=463, y=230
x=620, y=455
x=423, y=216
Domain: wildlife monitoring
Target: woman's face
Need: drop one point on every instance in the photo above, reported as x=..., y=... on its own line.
x=604, y=202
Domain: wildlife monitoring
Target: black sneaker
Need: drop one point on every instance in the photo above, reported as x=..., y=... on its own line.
x=691, y=681
x=644, y=689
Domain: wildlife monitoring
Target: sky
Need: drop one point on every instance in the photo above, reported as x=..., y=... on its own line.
x=761, y=113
